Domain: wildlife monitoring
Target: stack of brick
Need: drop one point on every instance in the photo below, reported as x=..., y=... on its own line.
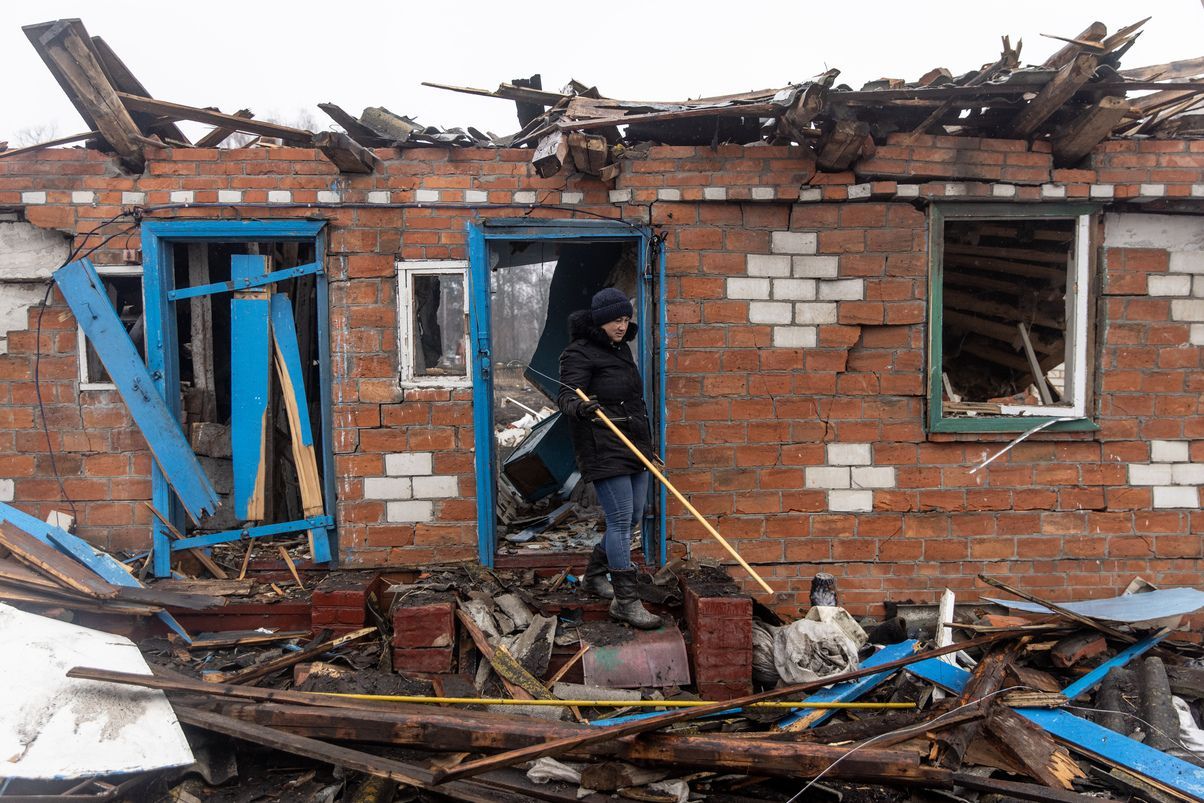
x=721, y=646
x=339, y=603
x=424, y=636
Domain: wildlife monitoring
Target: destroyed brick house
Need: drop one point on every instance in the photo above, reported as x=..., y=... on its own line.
x=905, y=334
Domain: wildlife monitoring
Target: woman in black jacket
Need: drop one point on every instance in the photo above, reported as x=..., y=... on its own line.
x=599, y=362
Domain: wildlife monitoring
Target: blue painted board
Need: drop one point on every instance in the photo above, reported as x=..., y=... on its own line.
x=482, y=391
x=852, y=689
x=244, y=283
x=250, y=377
x=1088, y=681
x=1085, y=736
x=283, y=528
x=101, y=563
x=85, y=294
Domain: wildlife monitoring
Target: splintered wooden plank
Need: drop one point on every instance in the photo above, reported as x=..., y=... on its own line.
x=85, y=294
x=314, y=648
x=1070, y=79
x=124, y=80
x=848, y=691
x=296, y=405
x=177, y=111
x=1091, y=128
x=52, y=563
x=250, y=375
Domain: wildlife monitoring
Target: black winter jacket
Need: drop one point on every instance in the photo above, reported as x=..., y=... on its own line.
x=606, y=372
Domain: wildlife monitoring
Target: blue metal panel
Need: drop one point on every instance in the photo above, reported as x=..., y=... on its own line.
x=250, y=375
x=99, y=562
x=244, y=283
x=1088, y=681
x=1086, y=736
x=662, y=424
x=322, y=300
x=85, y=294
x=230, y=231
x=851, y=689
x=284, y=528
x=482, y=391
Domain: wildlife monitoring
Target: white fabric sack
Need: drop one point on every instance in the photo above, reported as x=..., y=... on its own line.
x=808, y=650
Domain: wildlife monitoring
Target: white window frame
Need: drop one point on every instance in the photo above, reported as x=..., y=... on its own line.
x=405, y=319
x=85, y=381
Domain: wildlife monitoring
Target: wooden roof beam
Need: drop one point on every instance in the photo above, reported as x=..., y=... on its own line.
x=1089, y=129
x=1070, y=79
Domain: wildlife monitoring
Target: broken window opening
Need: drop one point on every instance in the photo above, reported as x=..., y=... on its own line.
x=1009, y=320
x=541, y=504
x=433, y=313
x=123, y=286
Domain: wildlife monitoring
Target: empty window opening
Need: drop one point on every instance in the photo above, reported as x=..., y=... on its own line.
x=434, y=323
x=123, y=285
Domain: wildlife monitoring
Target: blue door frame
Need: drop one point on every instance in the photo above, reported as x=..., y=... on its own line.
x=650, y=295
x=162, y=360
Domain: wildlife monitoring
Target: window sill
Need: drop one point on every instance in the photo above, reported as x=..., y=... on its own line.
x=1016, y=424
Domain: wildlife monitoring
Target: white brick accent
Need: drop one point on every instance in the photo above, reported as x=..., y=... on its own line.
x=476, y=196
x=1197, y=334
x=620, y=196
x=409, y=512
x=857, y=191
x=827, y=477
x=874, y=477
x=810, y=194
x=770, y=312
x=1183, y=309
x=379, y=197
x=182, y=197
x=1102, y=191
x=6, y=490
x=1170, y=451
x=851, y=501
x=439, y=487
x=794, y=289
x=387, y=488
x=1187, y=262
x=280, y=196
x=426, y=196
x=133, y=198
x=329, y=197
x=849, y=454
x=842, y=290
x=815, y=312
x=795, y=337
x=816, y=267
x=956, y=189
x=1153, y=190
x=1197, y=190
x=766, y=265
x=229, y=196
x=714, y=193
x=1187, y=474
x=1169, y=284
x=1145, y=474
x=1053, y=190
x=793, y=242
x=524, y=197
x=1177, y=496
x=1197, y=286
x=408, y=464
x=747, y=288
x=33, y=197
x=1003, y=190
x=668, y=194
x=83, y=197
x=763, y=193
x=907, y=191
x=572, y=197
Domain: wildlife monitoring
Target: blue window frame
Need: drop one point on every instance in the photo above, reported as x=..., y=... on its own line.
x=162, y=360
x=650, y=305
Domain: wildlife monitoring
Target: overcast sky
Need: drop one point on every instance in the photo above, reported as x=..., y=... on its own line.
x=281, y=59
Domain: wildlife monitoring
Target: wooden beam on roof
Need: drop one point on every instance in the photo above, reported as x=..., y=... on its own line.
x=1089, y=129
x=348, y=155
x=841, y=144
x=1051, y=98
x=1093, y=34
x=589, y=152
x=123, y=80
x=551, y=154
x=177, y=111
x=4, y=154
x=221, y=133
x=65, y=45
x=1172, y=70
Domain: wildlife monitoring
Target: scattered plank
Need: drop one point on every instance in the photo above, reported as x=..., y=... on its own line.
x=1070, y=78
x=347, y=155
x=50, y=143
x=292, y=567
x=1073, y=142
x=199, y=554
x=256, y=671
x=221, y=133
x=177, y=111
x=52, y=563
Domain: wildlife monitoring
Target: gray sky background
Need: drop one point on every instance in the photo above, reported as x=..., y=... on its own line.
x=281, y=59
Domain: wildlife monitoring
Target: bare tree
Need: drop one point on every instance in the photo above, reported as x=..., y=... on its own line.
x=35, y=134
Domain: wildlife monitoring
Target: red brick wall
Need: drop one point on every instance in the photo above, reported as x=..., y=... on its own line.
x=747, y=418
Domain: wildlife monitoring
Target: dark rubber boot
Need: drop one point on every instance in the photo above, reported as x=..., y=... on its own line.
x=626, y=606
x=595, y=581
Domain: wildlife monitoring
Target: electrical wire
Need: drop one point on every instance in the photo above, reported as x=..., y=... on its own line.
x=1131, y=715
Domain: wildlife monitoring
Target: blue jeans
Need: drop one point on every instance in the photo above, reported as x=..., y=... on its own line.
x=623, y=499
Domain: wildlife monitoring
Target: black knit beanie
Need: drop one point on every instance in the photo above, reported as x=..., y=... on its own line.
x=609, y=304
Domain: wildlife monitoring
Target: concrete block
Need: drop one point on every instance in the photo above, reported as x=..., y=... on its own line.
x=1187, y=262
x=408, y=464
x=714, y=193
x=849, y=454
x=476, y=196
x=133, y=198
x=793, y=242
x=873, y=477
x=181, y=197
x=739, y=288
x=229, y=196
x=768, y=265
x=83, y=197
x=842, y=290
x=1187, y=474
x=1187, y=496
x=827, y=477
x=795, y=337
x=427, y=196
x=379, y=197
x=1174, y=284
x=770, y=312
x=815, y=312
x=1183, y=309
x=668, y=194
x=1170, y=452
x=851, y=501
x=816, y=267
x=440, y=487
x=409, y=512
x=794, y=289
x=1145, y=474
x=387, y=488
x=1141, y=230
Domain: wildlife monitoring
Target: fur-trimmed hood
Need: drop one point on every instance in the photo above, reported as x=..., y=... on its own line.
x=582, y=327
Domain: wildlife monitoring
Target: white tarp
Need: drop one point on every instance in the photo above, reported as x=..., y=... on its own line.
x=53, y=726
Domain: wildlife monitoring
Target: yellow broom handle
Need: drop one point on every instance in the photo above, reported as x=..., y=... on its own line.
x=648, y=464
